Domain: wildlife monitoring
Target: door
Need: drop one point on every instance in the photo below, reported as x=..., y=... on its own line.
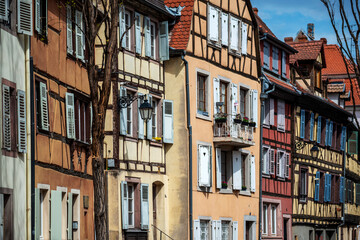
x=154, y=207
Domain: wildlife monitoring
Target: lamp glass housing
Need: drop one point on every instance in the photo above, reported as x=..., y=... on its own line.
x=146, y=111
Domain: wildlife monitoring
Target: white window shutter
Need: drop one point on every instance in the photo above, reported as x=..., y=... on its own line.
x=144, y=206
x=213, y=24
x=148, y=124
x=37, y=213
x=138, y=33
x=218, y=167
x=252, y=173
x=168, y=121
x=24, y=17
x=254, y=105
x=216, y=93
x=123, y=113
x=122, y=26
x=278, y=163
x=37, y=16
x=197, y=230
x=69, y=216
x=272, y=111
x=224, y=29
x=4, y=10
x=272, y=161
x=213, y=230
x=147, y=37
x=56, y=210
x=235, y=231
x=70, y=115
x=44, y=107
x=204, y=158
x=218, y=229
x=287, y=165
x=267, y=112
x=69, y=35
x=281, y=115
x=140, y=120
x=234, y=34
x=234, y=100
x=265, y=155
x=6, y=118
x=244, y=38
x=79, y=35
x=124, y=205
x=21, y=102
x=164, y=41
x=236, y=157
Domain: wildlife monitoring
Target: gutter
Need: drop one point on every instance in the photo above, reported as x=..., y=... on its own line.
x=32, y=154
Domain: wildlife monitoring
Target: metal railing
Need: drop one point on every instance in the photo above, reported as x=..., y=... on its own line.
x=229, y=128
x=159, y=234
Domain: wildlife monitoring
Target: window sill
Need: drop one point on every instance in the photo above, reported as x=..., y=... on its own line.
x=226, y=191
x=203, y=117
x=245, y=193
x=236, y=54
x=204, y=189
x=214, y=45
x=11, y=153
x=155, y=144
x=129, y=138
x=266, y=175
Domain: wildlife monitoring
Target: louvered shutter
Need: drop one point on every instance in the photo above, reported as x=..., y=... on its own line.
x=283, y=64
x=266, y=55
x=44, y=107
x=69, y=33
x=327, y=132
x=204, y=166
x=79, y=35
x=272, y=111
x=329, y=186
x=317, y=186
x=123, y=113
x=236, y=159
x=124, y=205
x=24, y=17
x=140, y=120
x=302, y=123
x=343, y=139
x=254, y=106
x=272, y=161
x=278, y=163
x=37, y=16
x=21, y=101
x=312, y=126
x=318, y=131
x=213, y=24
x=224, y=29
x=4, y=10
x=287, y=165
x=138, y=33
x=218, y=167
x=342, y=190
x=281, y=115
x=149, y=123
x=234, y=34
x=6, y=118
x=69, y=216
x=216, y=93
x=122, y=26
x=164, y=41
x=353, y=143
x=55, y=221
x=331, y=124
x=357, y=185
x=244, y=38
x=37, y=213
x=252, y=174
x=234, y=99
x=197, y=230
x=144, y=206
x=70, y=115
x=168, y=121
x=147, y=37
x=235, y=230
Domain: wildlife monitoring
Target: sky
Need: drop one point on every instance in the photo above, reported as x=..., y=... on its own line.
x=286, y=17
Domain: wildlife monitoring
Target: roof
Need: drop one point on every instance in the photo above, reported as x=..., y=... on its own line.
x=158, y=4
x=179, y=37
x=336, y=88
x=263, y=28
x=355, y=92
x=281, y=83
x=334, y=61
x=309, y=50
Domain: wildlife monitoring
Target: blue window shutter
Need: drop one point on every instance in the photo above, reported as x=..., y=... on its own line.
x=318, y=132
x=326, y=188
x=124, y=205
x=55, y=219
x=317, y=186
x=147, y=37
x=302, y=124
x=330, y=133
x=342, y=183
x=164, y=41
x=122, y=26
x=138, y=43
x=329, y=187
x=327, y=132
x=343, y=139
x=144, y=206
x=312, y=126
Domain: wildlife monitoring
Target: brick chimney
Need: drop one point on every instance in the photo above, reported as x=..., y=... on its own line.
x=324, y=40
x=288, y=39
x=255, y=11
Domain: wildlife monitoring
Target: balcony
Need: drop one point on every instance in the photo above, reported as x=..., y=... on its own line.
x=229, y=133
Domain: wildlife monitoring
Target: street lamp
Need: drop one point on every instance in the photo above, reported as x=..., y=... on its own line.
x=314, y=151
x=145, y=108
x=146, y=111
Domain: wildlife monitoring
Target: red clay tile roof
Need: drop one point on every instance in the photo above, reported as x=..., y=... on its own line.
x=336, y=88
x=180, y=33
x=306, y=50
x=263, y=28
x=355, y=92
x=334, y=61
x=280, y=82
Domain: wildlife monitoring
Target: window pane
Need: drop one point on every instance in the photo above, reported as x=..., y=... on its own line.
x=225, y=230
x=204, y=230
x=242, y=102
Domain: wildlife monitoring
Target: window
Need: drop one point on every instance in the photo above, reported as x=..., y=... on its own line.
x=268, y=160
x=129, y=116
x=74, y=201
x=244, y=171
x=204, y=229
x=265, y=219
x=9, y=117
x=266, y=55
x=303, y=185
x=202, y=102
x=283, y=64
x=154, y=118
x=281, y=115
x=82, y=120
x=269, y=112
x=225, y=170
x=324, y=127
x=353, y=143
x=75, y=31
x=204, y=165
x=273, y=219
x=224, y=96
x=244, y=102
x=275, y=60
x=225, y=230
x=41, y=20
x=153, y=39
x=41, y=106
x=282, y=164
x=6, y=214
x=5, y=11
x=131, y=205
x=42, y=212
x=127, y=35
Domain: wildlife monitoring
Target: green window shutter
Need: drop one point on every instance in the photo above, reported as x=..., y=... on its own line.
x=164, y=41
x=4, y=9
x=123, y=113
x=70, y=216
x=124, y=205
x=55, y=215
x=353, y=143
x=37, y=214
x=144, y=206
x=37, y=16
x=357, y=186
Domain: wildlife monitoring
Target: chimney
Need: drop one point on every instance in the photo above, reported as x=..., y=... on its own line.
x=311, y=31
x=324, y=40
x=288, y=39
x=255, y=11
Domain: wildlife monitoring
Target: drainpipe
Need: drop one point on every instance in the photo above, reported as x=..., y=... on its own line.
x=32, y=154
x=190, y=143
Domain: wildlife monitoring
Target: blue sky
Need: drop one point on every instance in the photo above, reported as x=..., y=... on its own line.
x=286, y=17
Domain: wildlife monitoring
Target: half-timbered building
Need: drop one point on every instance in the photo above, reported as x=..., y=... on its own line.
x=212, y=77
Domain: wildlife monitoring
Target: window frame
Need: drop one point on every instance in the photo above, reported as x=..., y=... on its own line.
x=207, y=220
x=44, y=190
x=265, y=224
x=247, y=108
x=305, y=195
x=153, y=39
x=127, y=35
x=227, y=221
x=82, y=118
x=273, y=215
x=8, y=196
x=13, y=113
x=206, y=115
x=132, y=198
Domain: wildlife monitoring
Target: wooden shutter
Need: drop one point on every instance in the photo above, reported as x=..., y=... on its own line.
x=234, y=99
x=272, y=111
x=168, y=121
x=357, y=200
x=283, y=64
x=254, y=105
x=21, y=102
x=342, y=189
x=318, y=132
x=69, y=216
x=302, y=123
x=218, y=167
x=56, y=205
x=69, y=33
x=236, y=159
x=235, y=230
x=343, y=139
x=265, y=157
x=216, y=93
x=244, y=38
x=278, y=163
x=144, y=206
x=197, y=230
x=225, y=29
x=267, y=112
x=44, y=107
x=164, y=41
x=287, y=165
x=204, y=166
x=272, y=161
x=6, y=118
x=266, y=55
x=70, y=115
x=24, y=17
x=37, y=16
x=4, y=10
x=213, y=230
x=353, y=143
x=281, y=115
x=122, y=26
x=123, y=113
x=124, y=205
x=317, y=186
x=275, y=61
x=252, y=173
x=149, y=124
x=329, y=191
x=37, y=213
x=327, y=132
x=234, y=34
x=140, y=120
x=138, y=33
x=213, y=24
x=79, y=35
x=331, y=125
x=147, y=37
